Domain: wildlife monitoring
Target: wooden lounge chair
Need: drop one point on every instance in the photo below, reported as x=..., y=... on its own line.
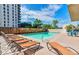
x=20, y=40
x=23, y=47
x=9, y=45
x=15, y=36
x=61, y=50
x=17, y=39
x=24, y=43
x=3, y=34
x=10, y=42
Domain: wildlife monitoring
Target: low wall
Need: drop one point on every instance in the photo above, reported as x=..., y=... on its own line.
x=55, y=30
x=20, y=30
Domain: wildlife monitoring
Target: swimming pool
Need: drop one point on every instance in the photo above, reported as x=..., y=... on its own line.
x=41, y=35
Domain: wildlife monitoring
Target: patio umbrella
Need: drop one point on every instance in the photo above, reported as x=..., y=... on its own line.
x=74, y=12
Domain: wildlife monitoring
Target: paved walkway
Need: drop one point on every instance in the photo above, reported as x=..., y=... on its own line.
x=4, y=49
x=64, y=40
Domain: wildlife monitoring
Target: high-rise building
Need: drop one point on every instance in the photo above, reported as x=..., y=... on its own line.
x=9, y=15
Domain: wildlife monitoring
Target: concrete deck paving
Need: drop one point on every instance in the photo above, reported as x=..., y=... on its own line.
x=62, y=38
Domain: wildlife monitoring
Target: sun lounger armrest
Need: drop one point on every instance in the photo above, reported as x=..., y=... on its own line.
x=73, y=50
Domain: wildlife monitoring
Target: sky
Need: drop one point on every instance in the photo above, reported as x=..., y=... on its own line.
x=46, y=13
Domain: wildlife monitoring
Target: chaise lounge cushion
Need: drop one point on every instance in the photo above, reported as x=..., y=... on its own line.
x=21, y=41
x=61, y=49
x=28, y=44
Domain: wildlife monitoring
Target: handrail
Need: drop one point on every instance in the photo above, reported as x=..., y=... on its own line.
x=0, y=49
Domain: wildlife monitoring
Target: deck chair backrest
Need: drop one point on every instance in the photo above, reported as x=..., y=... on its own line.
x=5, y=36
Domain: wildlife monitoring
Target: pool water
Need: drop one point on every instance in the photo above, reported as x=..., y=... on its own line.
x=41, y=35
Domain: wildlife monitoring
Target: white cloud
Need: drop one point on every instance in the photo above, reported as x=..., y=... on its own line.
x=44, y=14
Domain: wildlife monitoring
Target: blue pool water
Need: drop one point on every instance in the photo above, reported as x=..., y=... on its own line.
x=41, y=35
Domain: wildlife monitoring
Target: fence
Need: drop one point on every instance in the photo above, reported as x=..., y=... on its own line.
x=20, y=30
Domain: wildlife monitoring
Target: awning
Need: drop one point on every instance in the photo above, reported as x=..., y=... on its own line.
x=74, y=12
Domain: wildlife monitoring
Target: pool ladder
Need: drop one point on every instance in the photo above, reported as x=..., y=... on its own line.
x=42, y=38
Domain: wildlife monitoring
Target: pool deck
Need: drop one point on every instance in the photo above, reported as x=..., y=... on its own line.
x=62, y=38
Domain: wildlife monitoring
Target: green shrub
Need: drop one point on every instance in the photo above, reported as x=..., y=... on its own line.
x=54, y=24
x=37, y=23
x=70, y=27
x=46, y=26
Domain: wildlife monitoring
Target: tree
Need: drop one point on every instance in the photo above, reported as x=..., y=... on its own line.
x=46, y=26
x=37, y=23
x=25, y=24
x=69, y=27
x=55, y=23
x=77, y=27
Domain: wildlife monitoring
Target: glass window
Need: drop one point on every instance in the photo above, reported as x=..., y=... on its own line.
x=4, y=25
x=4, y=14
x=3, y=4
x=4, y=11
x=8, y=21
x=8, y=16
x=4, y=8
x=12, y=10
x=12, y=19
x=13, y=25
x=8, y=24
x=7, y=5
x=4, y=17
x=7, y=12
x=12, y=4
x=4, y=22
x=7, y=9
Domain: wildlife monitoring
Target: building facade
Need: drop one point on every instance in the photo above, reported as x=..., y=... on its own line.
x=10, y=15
